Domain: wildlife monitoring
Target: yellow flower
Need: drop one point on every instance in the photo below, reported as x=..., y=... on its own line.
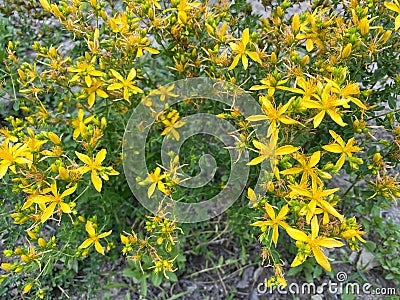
x=148, y=49
x=239, y=48
x=313, y=29
x=13, y=154
x=314, y=243
x=163, y=265
x=327, y=103
x=120, y=23
x=345, y=93
x=395, y=6
x=155, y=179
x=307, y=88
x=86, y=71
x=164, y=92
x=6, y=133
x=55, y=199
x=97, y=169
x=272, y=114
x=80, y=124
x=276, y=281
x=270, y=150
x=94, y=238
x=340, y=147
x=270, y=83
x=126, y=84
x=183, y=7
x=170, y=121
x=316, y=196
x=275, y=221
x=307, y=167
x=352, y=234
x=96, y=88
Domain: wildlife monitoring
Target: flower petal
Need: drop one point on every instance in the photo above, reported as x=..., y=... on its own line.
x=98, y=247
x=90, y=229
x=318, y=118
x=256, y=161
x=96, y=180
x=84, y=158
x=104, y=234
x=296, y=234
x=321, y=259
x=86, y=243
x=234, y=62
x=48, y=212
x=101, y=156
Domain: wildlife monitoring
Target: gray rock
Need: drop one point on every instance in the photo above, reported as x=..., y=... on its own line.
x=367, y=261
x=254, y=295
x=246, y=278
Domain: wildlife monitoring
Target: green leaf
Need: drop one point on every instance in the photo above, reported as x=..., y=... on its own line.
x=127, y=296
x=294, y=271
x=172, y=276
x=392, y=102
x=143, y=287
x=317, y=272
x=370, y=246
x=156, y=278
x=16, y=105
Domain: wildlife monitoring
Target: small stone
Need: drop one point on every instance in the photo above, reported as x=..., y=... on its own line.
x=257, y=273
x=246, y=277
x=353, y=257
x=254, y=295
x=367, y=261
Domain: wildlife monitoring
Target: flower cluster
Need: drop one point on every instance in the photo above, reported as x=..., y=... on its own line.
x=312, y=73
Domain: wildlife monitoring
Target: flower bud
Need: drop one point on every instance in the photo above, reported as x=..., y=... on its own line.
x=27, y=288
x=347, y=50
x=42, y=242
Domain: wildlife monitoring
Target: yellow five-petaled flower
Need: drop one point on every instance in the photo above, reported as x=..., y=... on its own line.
x=94, y=238
x=94, y=165
x=273, y=115
x=86, y=71
x=127, y=84
x=274, y=222
x=13, y=154
x=312, y=243
x=240, y=49
x=56, y=199
x=316, y=195
x=307, y=166
x=327, y=103
x=155, y=178
x=340, y=147
x=270, y=150
x=79, y=124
